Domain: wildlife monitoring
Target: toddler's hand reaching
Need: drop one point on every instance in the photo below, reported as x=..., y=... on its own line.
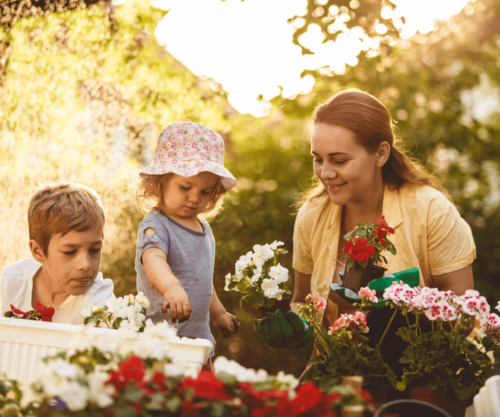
x=176, y=299
x=228, y=325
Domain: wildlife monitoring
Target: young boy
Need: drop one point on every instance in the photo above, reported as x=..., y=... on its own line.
x=66, y=222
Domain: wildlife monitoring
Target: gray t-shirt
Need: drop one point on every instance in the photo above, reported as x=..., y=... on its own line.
x=191, y=256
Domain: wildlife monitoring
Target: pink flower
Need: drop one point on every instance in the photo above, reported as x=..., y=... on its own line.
x=448, y=313
x=434, y=312
x=318, y=302
x=370, y=295
x=490, y=326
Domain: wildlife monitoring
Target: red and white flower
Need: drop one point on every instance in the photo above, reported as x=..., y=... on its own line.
x=368, y=294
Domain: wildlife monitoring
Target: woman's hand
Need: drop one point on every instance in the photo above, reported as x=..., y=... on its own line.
x=227, y=324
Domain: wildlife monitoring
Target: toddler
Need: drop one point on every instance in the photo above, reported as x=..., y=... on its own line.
x=66, y=222
x=175, y=246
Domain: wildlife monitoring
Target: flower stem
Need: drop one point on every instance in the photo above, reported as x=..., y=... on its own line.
x=320, y=334
x=387, y=328
x=407, y=321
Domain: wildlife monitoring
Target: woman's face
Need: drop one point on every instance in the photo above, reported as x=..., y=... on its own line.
x=346, y=169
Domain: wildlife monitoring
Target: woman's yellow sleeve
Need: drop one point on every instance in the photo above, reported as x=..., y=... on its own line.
x=302, y=254
x=450, y=244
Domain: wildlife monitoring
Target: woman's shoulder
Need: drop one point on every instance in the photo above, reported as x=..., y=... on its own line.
x=423, y=196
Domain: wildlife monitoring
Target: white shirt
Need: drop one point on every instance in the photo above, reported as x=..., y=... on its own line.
x=16, y=287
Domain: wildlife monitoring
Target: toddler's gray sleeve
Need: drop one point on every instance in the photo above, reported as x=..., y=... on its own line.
x=160, y=239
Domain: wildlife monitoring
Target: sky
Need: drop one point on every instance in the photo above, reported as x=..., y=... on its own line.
x=247, y=46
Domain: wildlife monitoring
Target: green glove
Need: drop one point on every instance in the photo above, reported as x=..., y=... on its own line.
x=287, y=331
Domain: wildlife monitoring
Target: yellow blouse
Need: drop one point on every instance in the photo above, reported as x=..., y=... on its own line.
x=429, y=235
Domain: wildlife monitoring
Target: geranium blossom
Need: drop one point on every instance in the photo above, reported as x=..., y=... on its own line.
x=318, y=302
x=401, y=295
x=349, y=325
x=490, y=327
x=368, y=294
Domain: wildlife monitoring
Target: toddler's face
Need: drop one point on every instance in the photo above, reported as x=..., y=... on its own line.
x=188, y=196
x=72, y=261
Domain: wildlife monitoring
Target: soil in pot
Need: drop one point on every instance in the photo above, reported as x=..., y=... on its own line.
x=283, y=305
x=440, y=398
x=358, y=277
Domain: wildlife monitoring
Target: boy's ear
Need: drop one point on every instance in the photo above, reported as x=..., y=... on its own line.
x=36, y=251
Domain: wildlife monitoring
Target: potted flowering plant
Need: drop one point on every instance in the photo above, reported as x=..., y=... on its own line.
x=364, y=248
x=261, y=279
x=342, y=350
x=444, y=367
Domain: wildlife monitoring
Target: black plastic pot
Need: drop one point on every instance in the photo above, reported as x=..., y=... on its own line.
x=358, y=277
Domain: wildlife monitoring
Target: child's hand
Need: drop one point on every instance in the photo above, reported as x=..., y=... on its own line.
x=177, y=300
x=227, y=324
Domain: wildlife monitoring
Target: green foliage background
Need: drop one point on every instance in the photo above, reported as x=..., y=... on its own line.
x=72, y=79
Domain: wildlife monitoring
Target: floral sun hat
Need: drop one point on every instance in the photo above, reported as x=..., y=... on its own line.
x=186, y=149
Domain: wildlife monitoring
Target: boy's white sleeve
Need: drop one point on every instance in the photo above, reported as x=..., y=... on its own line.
x=3, y=298
x=100, y=292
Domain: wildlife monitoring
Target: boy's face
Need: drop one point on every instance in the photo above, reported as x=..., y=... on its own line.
x=72, y=261
x=188, y=196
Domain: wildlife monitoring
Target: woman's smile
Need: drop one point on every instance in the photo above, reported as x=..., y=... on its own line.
x=335, y=187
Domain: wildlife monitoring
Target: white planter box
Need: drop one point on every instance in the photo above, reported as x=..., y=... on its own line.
x=24, y=343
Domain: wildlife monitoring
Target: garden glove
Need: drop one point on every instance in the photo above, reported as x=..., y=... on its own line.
x=287, y=330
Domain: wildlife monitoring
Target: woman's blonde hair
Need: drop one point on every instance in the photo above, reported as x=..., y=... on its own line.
x=150, y=190
x=370, y=120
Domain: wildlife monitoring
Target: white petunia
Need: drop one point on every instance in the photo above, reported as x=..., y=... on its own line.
x=256, y=276
x=128, y=329
x=275, y=245
x=279, y=273
x=142, y=300
x=228, y=281
x=271, y=289
x=100, y=393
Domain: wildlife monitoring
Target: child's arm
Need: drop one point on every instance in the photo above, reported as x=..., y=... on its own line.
x=226, y=323
x=164, y=281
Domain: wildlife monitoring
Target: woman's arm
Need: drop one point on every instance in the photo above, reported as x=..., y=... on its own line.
x=301, y=291
x=458, y=282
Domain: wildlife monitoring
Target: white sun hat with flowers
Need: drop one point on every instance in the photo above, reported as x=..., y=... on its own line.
x=186, y=149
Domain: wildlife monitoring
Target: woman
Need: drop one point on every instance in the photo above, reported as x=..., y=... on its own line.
x=363, y=176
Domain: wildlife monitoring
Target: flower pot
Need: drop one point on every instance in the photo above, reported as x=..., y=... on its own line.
x=358, y=277
x=283, y=305
x=378, y=392
x=440, y=398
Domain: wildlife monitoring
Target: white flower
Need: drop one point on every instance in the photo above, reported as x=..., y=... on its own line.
x=99, y=393
x=142, y=300
x=74, y=395
x=228, y=281
x=279, y=273
x=275, y=245
x=498, y=306
x=256, y=276
x=128, y=329
x=287, y=379
x=171, y=370
x=262, y=253
x=242, y=374
x=271, y=289
x=64, y=369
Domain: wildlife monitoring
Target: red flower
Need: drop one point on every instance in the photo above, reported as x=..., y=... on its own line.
x=311, y=400
x=189, y=409
x=207, y=386
x=383, y=224
x=19, y=312
x=159, y=378
x=47, y=313
x=381, y=234
x=131, y=369
x=360, y=250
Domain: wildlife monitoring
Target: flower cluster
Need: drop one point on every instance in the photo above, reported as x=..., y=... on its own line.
x=308, y=310
x=435, y=304
x=102, y=377
x=349, y=326
x=40, y=313
x=366, y=242
x=126, y=314
x=259, y=276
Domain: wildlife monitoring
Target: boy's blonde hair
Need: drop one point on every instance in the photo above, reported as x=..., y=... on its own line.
x=149, y=193
x=61, y=208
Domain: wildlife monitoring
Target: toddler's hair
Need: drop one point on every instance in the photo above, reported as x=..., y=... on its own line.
x=61, y=208
x=149, y=193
